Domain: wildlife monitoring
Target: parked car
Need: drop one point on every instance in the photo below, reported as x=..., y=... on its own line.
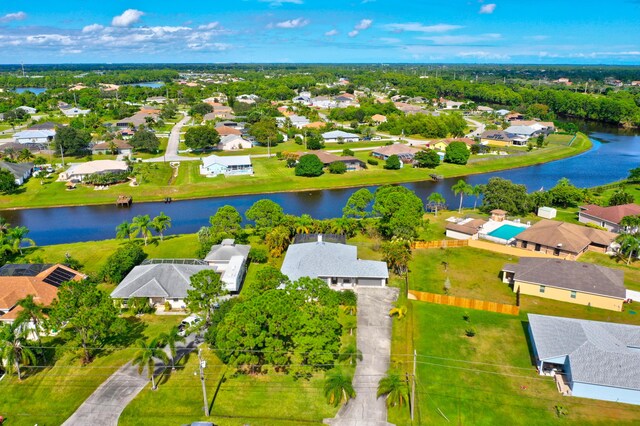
x=188, y=324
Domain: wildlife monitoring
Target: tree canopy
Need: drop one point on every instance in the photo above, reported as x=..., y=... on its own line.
x=265, y=214
x=505, y=195
x=358, y=203
x=201, y=137
x=456, y=153
x=400, y=211
x=71, y=140
x=309, y=165
x=427, y=159
x=145, y=140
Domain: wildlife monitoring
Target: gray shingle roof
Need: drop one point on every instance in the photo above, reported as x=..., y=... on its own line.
x=225, y=251
x=323, y=259
x=578, y=276
x=16, y=169
x=600, y=353
x=158, y=280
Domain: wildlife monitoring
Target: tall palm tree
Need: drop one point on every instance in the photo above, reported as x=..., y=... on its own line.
x=32, y=312
x=437, y=199
x=146, y=357
x=476, y=191
x=13, y=350
x=338, y=388
x=17, y=236
x=343, y=225
x=304, y=224
x=395, y=389
x=629, y=245
x=124, y=230
x=351, y=353
x=462, y=188
x=142, y=224
x=160, y=223
x=170, y=339
x=25, y=155
x=631, y=223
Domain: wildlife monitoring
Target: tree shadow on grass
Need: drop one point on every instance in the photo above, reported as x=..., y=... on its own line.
x=132, y=329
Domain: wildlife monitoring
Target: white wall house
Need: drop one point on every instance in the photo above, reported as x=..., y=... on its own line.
x=233, y=142
x=340, y=136
x=34, y=136
x=215, y=165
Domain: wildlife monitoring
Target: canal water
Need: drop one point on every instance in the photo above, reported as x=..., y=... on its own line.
x=614, y=153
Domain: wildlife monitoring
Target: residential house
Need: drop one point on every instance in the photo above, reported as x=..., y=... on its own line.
x=467, y=229
x=27, y=109
x=315, y=125
x=323, y=102
x=502, y=112
x=404, y=152
x=563, y=80
x=34, y=136
x=335, y=263
x=340, y=136
x=248, y=99
x=514, y=116
x=378, y=119
x=407, y=108
x=47, y=125
x=157, y=99
x=78, y=172
x=42, y=281
x=230, y=260
x=233, y=142
x=136, y=120
x=588, y=359
x=483, y=109
x=231, y=165
x=296, y=121
x=302, y=99
x=564, y=239
x=442, y=144
x=352, y=163
x=74, y=111
x=227, y=130
x=545, y=127
x=607, y=217
x=117, y=145
x=567, y=281
x=20, y=171
x=496, y=137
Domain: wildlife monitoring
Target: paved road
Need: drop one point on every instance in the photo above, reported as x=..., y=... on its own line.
x=479, y=128
x=108, y=401
x=374, y=340
x=172, y=145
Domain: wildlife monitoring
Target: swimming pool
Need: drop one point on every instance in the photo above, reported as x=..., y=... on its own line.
x=506, y=232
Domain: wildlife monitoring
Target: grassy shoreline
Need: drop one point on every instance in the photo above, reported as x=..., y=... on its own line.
x=271, y=177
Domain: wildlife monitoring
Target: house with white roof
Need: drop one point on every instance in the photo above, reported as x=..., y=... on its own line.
x=335, y=263
x=74, y=112
x=231, y=165
x=44, y=136
x=588, y=359
x=27, y=109
x=232, y=143
x=297, y=121
x=340, y=136
x=520, y=134
x=230, y=261
x=81, y=170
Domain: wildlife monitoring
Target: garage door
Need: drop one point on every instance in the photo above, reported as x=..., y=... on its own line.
x=370, y=282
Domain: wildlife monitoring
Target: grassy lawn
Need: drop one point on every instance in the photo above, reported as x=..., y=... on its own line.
x=558, y=139
x=487, y=379
x=271, y=175
x=631, y=189
x=49, y=396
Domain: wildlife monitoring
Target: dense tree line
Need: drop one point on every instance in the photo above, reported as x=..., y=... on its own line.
x=426, y=125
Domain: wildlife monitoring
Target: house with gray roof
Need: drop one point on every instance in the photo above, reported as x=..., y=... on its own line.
x=337, y=264
x=340, y=136
x=20, y=171
x=230, y=260
x=588, y=359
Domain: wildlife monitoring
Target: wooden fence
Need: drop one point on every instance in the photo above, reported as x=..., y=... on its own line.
x=439, y=244
x=462, y=302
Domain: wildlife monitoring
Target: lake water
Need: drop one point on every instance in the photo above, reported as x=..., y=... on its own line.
x=34, y=90
x=151, y=84
x=613, y=154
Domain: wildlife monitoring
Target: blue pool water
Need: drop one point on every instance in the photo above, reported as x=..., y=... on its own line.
x=506, y=232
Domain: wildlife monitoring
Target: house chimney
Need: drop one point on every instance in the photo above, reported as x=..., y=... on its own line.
x=319, y=238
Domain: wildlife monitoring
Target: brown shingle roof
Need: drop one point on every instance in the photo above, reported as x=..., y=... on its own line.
x=573, y=238
x=613, y=214
x=226, y=130
x=569, y=275
x=395, y=149
x=120, y=144
x=469, y=228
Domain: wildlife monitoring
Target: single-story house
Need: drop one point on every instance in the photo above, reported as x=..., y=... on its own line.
x=233, y=142
x=407, y=108
x=545, y=127
x=297, y=121
x=588, y=359
x=230, y=260
x=136, y=120
x=336, y=263
x=227, y=130
x=304, y=100
x=20, y=171
x=564, y=239
x=567, y=281
x=467, y=229
x=520, y=135
x=482, y=108
x=248, y=99
x=404, y=152
x=496, y=137
x=231, y=165
x=607, y=217
x=157, y=99
x=502, y=112
x=40, y=280
x=119, y=146
x=27, y=109
x=323, y=102
x=35, y=136
x=442, y=144
x=378, y=119
x=74, y=111
x=352, y=163
x=82, y=170
x=340, y=136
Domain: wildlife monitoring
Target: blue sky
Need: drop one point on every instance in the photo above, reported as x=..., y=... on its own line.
x=378, y=31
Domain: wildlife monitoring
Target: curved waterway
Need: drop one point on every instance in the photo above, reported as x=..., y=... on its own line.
x=613, y=154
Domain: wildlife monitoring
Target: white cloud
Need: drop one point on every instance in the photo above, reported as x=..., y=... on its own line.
x=418, y=27
x=17, y=16
x=537, y=37
x=363, y=24
x=446, y=40
x=331, y=33
x=92, y=28
x=128, y=18
x=353, y=33
x=487, y=9
x=292, y=23
x=281, y=2
x=480, y=54
x=210, y=26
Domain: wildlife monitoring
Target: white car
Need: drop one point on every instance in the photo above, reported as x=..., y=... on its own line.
x=187, y=324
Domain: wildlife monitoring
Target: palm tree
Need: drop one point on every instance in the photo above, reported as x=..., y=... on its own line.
x=142, y=224
x=160, y=223
x=437, y=200
x=338, y=388
x=13, y=350
x=476, y=191
x=146, y=357
x=4, y=225
x=17, y=236
x=630, y=223
x=462, y=188
x=124, y=230
x=304, y=224
x=399, y=311
x=351, y=353
x=32, y=312
x=395, y=389
x=629, y=245
x=170, y=339
x=25, y=155
x=343, y=225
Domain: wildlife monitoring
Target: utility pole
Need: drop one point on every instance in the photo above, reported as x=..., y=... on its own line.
x=62, y=154
x=202, y=364
x=413, y=384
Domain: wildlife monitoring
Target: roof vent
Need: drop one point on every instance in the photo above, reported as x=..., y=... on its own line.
x=319, y=238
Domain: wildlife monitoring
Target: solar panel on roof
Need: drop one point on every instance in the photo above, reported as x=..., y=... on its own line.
x=59, y=276
x=23, y=269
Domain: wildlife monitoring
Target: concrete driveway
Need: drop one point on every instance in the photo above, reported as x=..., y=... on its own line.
x=374, y=340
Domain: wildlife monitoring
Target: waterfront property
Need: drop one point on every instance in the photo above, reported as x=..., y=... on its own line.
x=80, y=171
x=340, y=136
x=588, y=359
x=496, y=138
x=327, y=158
x=215, y=165
x=336, y=263
x=497, y=229
x=404, y=152
x=466, y=229
x=564, y=239
x=567, y=281
x=607, y=217
x=230, y=260
x=20, y=171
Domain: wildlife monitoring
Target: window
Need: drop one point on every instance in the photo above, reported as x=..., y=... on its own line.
x=573, y=294
x=538, y=247
x=346, y=280
x=556, y=252
x=334, y=280
x=542, y=289
x=524, y=244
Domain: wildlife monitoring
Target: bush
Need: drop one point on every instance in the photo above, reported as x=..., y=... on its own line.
x=108, y=178
x=309, y=165
x=372, y=161
x=167, y=306
x=393, y=163
x=120, y=263
x=427, y=159
x=337, y=168
x=470, y=332
x=139, y=305
x=347, y=153
x=457, y=153
x=348, y=298
x=258, y=255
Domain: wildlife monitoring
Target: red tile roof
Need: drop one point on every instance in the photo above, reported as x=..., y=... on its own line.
x=613, y=214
